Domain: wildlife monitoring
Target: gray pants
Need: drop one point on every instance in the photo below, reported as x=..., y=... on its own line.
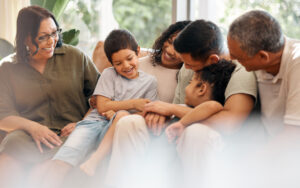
x=139, y=159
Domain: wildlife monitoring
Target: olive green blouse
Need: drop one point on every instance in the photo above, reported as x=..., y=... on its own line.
x=56, y=97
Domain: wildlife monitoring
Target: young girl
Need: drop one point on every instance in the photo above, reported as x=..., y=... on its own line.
x=205, y=92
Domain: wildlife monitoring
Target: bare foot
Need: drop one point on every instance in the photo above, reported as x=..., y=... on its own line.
x=89, y=167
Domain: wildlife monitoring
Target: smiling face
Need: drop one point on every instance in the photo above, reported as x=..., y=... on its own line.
x=126, y=63
x=170, y=58
x=250, y=63
x=46, y=39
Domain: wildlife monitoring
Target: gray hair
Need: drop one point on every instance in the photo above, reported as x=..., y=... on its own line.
x=257, y=30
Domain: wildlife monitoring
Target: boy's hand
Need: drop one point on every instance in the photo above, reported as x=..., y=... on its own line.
x=139, y=104
x=93, y=102
x=174, y=131
x=66, y=131
x=109, y=114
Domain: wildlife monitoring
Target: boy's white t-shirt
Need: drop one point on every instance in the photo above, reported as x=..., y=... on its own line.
x=118, y=88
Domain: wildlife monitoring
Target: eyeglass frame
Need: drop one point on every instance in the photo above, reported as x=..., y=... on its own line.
x=53, y=35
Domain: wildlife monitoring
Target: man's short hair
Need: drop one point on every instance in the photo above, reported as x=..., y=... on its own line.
x=257, y=30
x=200, y=38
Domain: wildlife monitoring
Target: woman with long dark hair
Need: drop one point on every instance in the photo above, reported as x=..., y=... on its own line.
x=44, y=91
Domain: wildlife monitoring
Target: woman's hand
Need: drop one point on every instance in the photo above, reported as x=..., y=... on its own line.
x=66, y=131
x=174, y=131
x=109, y=114
x=159, y=107
x=42, y=134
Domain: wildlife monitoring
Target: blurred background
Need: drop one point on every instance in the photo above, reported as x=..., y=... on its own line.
x=88, y=21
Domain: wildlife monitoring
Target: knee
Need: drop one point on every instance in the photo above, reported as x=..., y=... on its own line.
x=131, y=124
x=121, y=114
x=201, y=134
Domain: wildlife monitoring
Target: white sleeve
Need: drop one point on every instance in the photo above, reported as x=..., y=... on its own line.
x=105, y=85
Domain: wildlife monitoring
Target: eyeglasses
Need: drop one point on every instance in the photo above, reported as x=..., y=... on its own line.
x=45, y=38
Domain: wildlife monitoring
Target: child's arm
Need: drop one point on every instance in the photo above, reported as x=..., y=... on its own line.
x=105, y=104
x=199, y=113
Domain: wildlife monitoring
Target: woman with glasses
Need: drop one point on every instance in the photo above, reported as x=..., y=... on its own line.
x=44, y=91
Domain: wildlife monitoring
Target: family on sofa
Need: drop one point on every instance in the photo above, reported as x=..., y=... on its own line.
x=163, y=120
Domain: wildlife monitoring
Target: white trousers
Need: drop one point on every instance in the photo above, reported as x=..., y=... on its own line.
x=134, y=156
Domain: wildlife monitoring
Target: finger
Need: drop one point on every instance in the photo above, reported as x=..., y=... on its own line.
x=156, y=125
x=45, y=141
x=39, y=145
x=64, y=133
x=56, y=140
x=53, y=141
x=144, y=113
x=63, y=129
x=170, y=136
x=148, y=121
x=161, y=124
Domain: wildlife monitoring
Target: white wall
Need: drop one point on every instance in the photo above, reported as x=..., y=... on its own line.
x=8, y=17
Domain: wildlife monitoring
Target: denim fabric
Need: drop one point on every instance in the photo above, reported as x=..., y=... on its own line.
x=84, y=139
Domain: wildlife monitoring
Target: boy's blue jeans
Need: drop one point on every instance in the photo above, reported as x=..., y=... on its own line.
x=84, y=139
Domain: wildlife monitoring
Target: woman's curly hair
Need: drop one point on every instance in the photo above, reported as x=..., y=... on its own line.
x=168, y=33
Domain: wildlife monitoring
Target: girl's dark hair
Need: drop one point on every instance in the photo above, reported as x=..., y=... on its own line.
x=200, y=38
x=28, y=24
x=168, y=33
x=119, y=39
x=218, y=76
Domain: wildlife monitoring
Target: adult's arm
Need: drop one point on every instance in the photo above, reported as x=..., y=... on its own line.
x=236, y=109
x=39, y=133
x=157, y=112
x=166, y=109
x=105, y=104
x=199, y=113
